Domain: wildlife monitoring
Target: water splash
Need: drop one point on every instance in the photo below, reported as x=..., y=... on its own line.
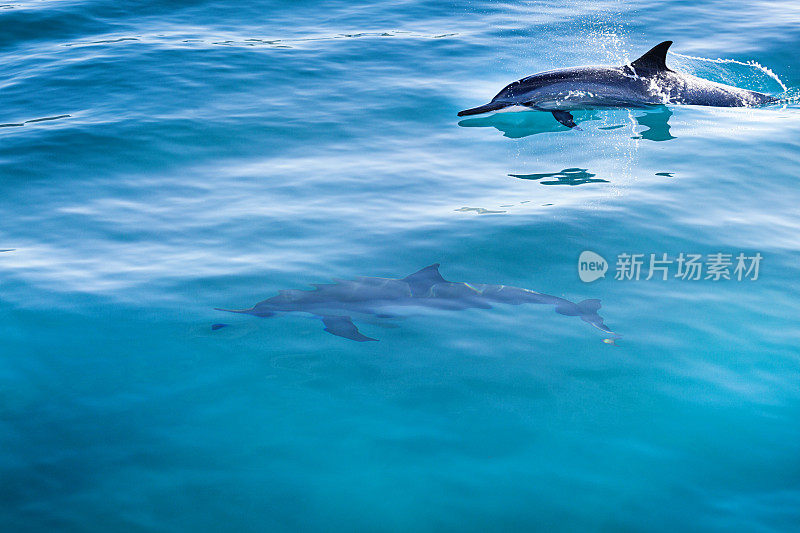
x=610, y=45
x=791, y=97
x=759, y=74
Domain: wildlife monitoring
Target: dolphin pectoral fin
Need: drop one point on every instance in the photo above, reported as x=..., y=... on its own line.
x=566, y=118
x=342, y=326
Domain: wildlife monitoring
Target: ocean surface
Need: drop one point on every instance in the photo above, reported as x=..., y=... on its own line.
x=159, y=160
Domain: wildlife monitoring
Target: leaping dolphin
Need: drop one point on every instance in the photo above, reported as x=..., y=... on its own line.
x=645, y=82
x=334, y=303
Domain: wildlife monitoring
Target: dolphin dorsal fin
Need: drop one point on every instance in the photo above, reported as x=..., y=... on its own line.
x=422, y=280
x=654, y=59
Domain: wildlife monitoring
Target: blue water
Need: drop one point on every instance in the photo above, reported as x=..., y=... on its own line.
x=208, y=154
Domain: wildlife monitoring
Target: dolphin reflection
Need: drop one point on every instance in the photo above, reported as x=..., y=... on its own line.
x=524, y=123
x=568, y=176
x=657, y=122
x=335, y=303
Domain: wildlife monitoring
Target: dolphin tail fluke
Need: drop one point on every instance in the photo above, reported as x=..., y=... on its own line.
x=589, y=307
x=588, y=313
x=599, y=324
x=491, y=106
x=342, y=326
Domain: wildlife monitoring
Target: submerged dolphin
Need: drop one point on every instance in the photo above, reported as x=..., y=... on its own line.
x=645, y=82
x=334, y=303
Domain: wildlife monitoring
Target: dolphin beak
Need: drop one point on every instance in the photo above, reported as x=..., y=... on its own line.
x=491, y=106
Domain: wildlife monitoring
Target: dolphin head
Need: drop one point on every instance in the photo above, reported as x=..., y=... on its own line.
x=491, y=106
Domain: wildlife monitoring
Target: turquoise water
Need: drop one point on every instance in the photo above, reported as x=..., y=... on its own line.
x=208, y=154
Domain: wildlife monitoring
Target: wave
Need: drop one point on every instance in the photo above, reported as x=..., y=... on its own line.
x=33, y=121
